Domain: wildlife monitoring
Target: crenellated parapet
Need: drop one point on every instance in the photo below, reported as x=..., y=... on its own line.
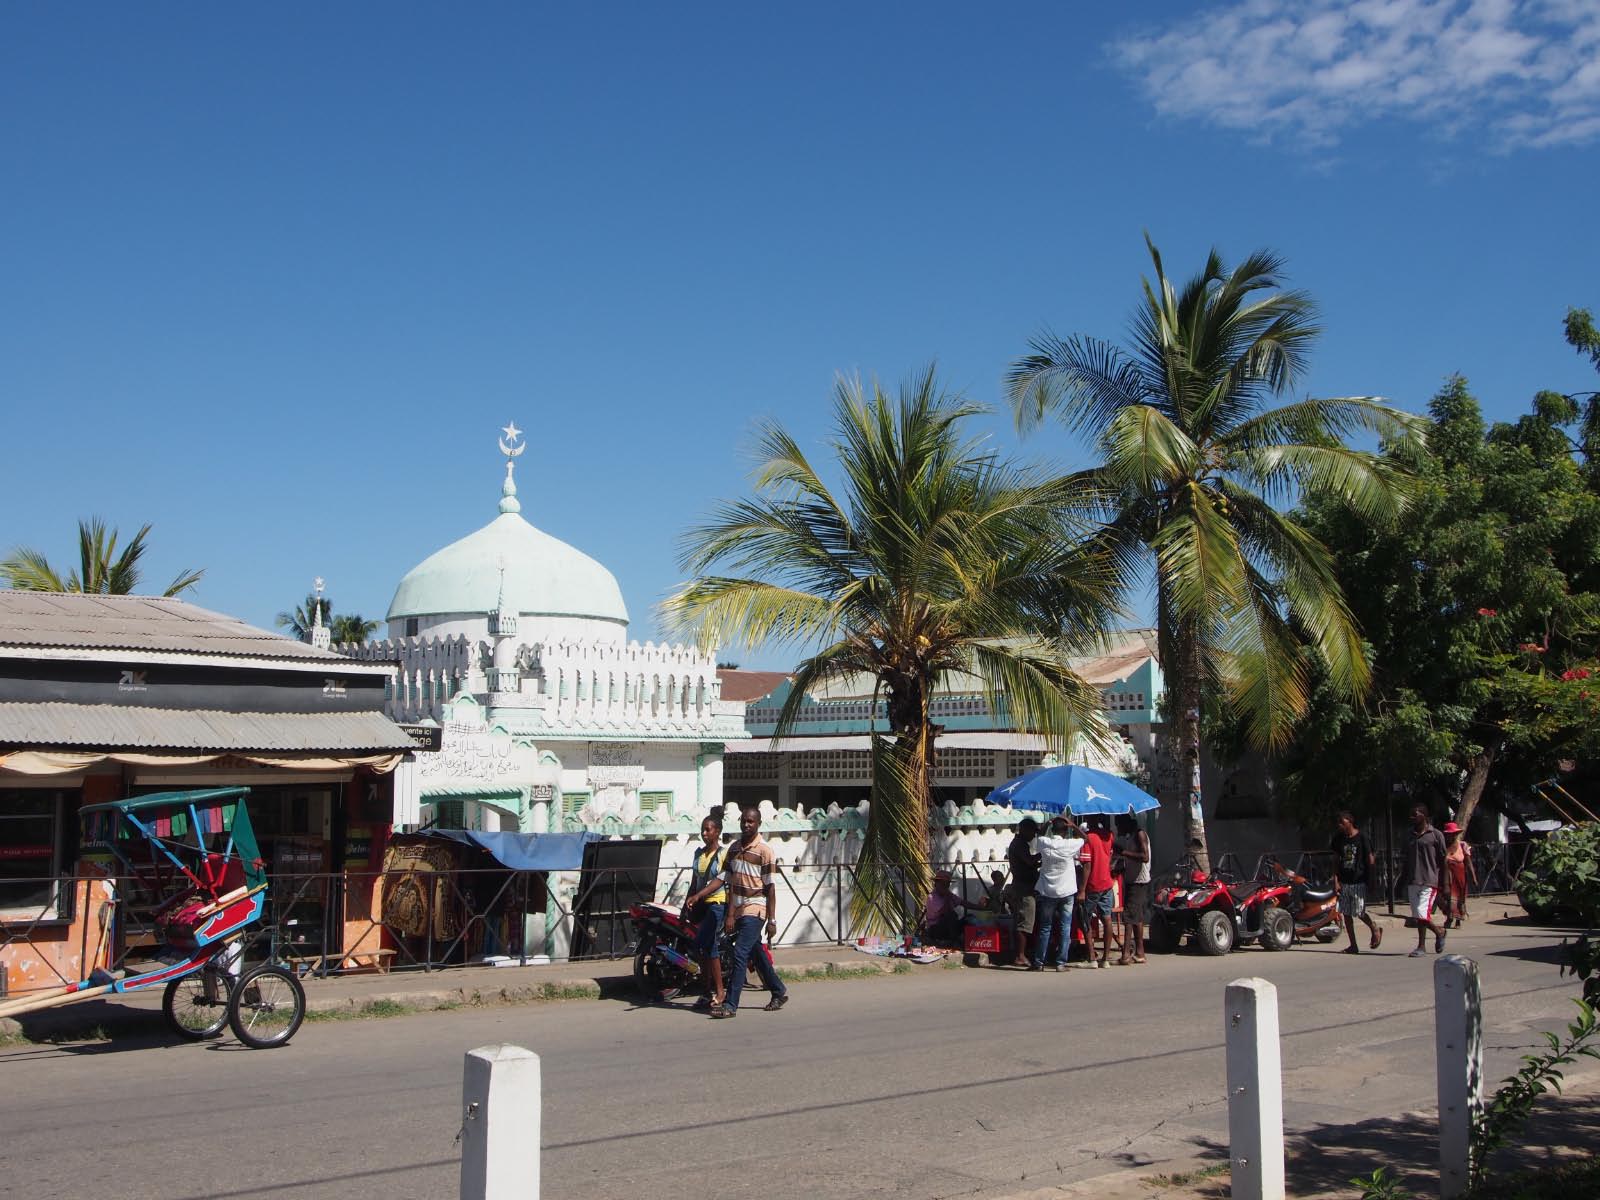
x=581, y=688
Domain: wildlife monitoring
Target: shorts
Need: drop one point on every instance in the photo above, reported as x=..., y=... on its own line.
x=1353, y=899
x=1099, y=904
x=1135, y=903
x=1422, y=899
x=1026, y=911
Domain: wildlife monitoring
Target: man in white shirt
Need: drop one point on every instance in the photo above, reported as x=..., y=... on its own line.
x=1057, y=888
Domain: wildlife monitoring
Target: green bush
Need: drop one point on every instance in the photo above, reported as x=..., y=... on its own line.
x=1563, y=875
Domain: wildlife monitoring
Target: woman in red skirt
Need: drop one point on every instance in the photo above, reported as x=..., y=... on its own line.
x=1458, y=871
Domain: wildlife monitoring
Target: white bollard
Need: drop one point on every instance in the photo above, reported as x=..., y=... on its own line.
x=500, y=1124
x=1458, y=1055
x=1255, y=1090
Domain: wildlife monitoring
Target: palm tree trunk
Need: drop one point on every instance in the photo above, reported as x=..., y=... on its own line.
x=893, y=875
x=1186, y=656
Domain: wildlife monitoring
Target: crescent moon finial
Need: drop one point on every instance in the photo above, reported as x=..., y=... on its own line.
x=508, y=444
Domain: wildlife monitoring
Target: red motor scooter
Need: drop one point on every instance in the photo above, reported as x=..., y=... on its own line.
x=1315, y=909
x=664, y=963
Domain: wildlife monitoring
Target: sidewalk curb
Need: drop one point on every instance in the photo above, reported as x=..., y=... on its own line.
x=367, y=996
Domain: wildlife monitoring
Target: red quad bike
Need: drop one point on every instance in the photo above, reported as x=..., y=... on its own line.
x=664, y=964
x=1218, y=916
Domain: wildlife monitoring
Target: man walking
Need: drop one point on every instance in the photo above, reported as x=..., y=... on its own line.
x=1056, y=890
x=1024, y=863
x=1425, y=874
x=752, y=903
x=1352, y=864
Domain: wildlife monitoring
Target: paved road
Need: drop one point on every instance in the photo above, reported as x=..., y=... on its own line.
x=943, y=1083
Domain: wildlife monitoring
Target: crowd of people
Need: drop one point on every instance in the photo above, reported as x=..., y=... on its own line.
x=1061, y=887
x=1062, y=877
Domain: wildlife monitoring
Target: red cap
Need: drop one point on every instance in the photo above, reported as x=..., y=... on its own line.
x=1451, y=827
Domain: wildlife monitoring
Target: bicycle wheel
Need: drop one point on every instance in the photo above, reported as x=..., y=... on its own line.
x=267, y=1007
x=196, y=1006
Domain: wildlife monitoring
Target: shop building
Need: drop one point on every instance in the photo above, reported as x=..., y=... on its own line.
x=103, y=697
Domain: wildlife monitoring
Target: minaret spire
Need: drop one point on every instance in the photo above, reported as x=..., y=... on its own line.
x=511, y=445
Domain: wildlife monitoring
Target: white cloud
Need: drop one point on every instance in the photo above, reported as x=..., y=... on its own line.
x=1526, y=73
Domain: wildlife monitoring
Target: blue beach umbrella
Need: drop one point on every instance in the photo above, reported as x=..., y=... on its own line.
x=1075, y=789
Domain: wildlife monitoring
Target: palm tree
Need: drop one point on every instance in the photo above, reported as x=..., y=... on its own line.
x=935, y=558
x=303, y=619
x=351, y=627
x=1195, y=460
x=100, y=570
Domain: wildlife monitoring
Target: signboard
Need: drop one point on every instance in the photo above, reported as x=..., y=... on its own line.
x=615, y=764
x=471, y=754
x=426, y=737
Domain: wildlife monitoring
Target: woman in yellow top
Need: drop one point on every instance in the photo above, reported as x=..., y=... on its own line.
x=707, y=902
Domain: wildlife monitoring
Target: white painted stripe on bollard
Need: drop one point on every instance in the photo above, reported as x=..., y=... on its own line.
x=1458, y=1055
x=1255, y=1090
x=500, y=1124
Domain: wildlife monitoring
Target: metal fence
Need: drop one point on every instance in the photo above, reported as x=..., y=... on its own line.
x=409, y=919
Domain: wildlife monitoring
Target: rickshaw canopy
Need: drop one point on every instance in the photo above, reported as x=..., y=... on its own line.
x=188, y=828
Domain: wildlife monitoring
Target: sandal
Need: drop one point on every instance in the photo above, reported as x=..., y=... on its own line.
x=720, y=1012
x=1377, y=937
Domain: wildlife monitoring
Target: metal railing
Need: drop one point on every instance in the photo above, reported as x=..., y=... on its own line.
x=410, y=919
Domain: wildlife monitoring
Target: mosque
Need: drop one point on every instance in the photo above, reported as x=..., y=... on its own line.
x=515, y=645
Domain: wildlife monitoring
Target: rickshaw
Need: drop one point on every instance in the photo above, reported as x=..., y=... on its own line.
x=195, y=854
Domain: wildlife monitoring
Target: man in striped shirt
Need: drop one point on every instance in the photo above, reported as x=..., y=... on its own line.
x=752, y=903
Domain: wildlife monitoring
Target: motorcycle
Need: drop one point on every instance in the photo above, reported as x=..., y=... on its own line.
x=664, y=962
x=1315, y=909
x=1219, y=916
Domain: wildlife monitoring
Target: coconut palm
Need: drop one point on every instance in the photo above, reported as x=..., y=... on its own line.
x=933, y=559
x=351, y=627
x=303, y=619
x=1196, y=461
x=100, y=570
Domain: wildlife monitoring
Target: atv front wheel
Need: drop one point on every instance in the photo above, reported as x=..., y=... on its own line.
x=1215, y=933
x=1277, y=929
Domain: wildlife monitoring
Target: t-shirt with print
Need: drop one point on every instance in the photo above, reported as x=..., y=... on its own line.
x=1058, y=865
x=705, y=869
x=1097, y=849
x=748, y=871
x=1350, y=856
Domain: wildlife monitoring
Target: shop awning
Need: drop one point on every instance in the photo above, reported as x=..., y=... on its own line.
x=524, y=851
x=58, y=724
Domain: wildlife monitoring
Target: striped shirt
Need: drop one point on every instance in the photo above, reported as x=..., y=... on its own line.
x=748, y=872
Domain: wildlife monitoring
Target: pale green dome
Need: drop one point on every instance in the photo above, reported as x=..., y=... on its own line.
x=509, y=565
x=543, y=576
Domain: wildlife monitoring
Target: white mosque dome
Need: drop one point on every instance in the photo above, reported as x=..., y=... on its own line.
x=508, y=563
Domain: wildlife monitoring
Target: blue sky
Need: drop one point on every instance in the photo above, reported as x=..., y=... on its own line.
x=273, y=279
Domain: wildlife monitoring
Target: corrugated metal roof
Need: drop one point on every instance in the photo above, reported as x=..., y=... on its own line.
x=137, y=623
x=116, y=726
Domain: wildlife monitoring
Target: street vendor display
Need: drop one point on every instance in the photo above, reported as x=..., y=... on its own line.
x=196, y=853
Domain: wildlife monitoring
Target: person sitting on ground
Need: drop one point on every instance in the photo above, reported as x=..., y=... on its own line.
x=994, y=892
x=941, y=922
x=1024, y=862
x=1352, y=865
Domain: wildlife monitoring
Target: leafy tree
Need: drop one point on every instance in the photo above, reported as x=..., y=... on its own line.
x=1195, y=460
x=1482, y=613
x=101, y=569
x=934, y=558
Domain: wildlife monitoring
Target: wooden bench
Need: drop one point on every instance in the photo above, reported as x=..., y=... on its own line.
x=352, y=960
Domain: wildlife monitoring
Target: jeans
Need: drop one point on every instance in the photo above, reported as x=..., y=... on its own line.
x=1049, y=909
x=747, y=943
x=709, y=929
